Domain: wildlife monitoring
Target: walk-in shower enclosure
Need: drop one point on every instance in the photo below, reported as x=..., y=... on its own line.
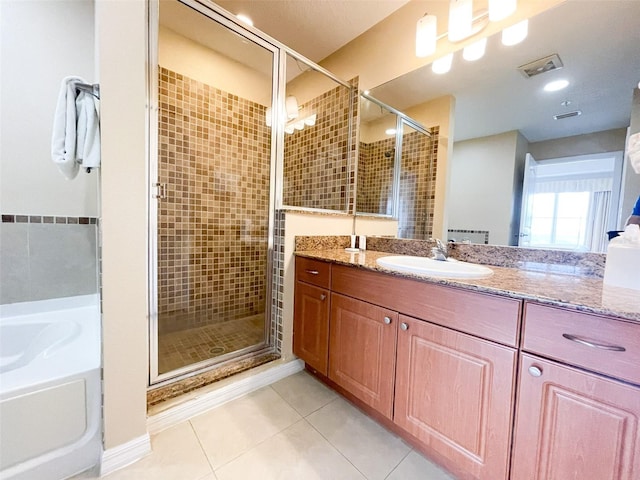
x=220, y=169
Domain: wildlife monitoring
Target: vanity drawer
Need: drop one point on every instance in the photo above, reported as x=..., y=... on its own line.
x=487, y=316
x=313, y=271
x=601, y=344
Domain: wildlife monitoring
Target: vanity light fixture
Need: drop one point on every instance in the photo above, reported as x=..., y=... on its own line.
x=299, y=124
x=515, y=33
x=390, y=131
x=426, y=36
x=556, y=85
x=475, y=51
x=460, y=19
x=501, y=9
x=442, y=65
x=268, y=119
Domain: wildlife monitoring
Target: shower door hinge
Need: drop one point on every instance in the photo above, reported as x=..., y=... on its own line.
x=162, y=190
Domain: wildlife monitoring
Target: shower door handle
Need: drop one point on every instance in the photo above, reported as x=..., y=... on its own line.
x=162, y=190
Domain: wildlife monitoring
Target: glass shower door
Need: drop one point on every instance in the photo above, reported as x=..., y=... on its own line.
x=213, y=199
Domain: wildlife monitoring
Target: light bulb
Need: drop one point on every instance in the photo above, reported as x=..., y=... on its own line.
x=501, y=9
x=426, y=36
x=442, y=65
x=556, y=85
x=268, y=116
x=291, y=105
x=460, y=19
x=515, y=33
x=475, y=51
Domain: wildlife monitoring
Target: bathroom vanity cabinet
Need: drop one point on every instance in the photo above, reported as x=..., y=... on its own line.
x=572, y=422
x=438, y=365
x=311, y=313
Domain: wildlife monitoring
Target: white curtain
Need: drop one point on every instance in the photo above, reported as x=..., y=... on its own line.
x=597, y=221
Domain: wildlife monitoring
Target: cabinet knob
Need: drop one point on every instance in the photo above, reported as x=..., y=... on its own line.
x=535, y=371
x=323, y=297
x=387, y=320
x=404, y=326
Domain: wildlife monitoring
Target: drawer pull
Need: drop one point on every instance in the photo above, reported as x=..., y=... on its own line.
x=312, y=272
x=387, y=321
x=592, y=343
x=535, y=371
x=323, y=297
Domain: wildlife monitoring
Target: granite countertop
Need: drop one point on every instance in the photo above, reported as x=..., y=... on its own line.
x=585, y=294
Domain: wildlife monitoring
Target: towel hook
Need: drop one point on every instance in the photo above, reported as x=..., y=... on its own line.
x=90, y=89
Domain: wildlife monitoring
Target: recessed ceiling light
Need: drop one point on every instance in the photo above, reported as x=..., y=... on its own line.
x=245, y=19
x=556, y=85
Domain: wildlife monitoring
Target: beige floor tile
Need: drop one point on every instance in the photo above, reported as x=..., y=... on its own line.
x=304, y=393
x=371, y=448
x=416, y=467
x=297, y=453
x=176, y=455
x=234, y=428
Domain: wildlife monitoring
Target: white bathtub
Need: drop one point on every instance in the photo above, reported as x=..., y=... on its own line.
x=50, y=395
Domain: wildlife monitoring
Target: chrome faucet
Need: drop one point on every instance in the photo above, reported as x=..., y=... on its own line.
x=439, y=252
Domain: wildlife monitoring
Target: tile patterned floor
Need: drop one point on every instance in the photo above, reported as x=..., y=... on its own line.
x=184, y=347
x=295, y=429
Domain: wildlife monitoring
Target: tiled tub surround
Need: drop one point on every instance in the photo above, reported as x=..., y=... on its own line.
x=45, y=257
x=582, y=293
x=214, y=157
x=318, y=169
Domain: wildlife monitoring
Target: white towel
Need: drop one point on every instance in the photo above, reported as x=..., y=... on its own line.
x=87, y=131
x=76, y=133
x=633, y=151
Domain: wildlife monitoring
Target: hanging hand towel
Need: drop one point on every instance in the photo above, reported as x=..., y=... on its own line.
x=87, y=132
x=63, y=139
x=633, y=151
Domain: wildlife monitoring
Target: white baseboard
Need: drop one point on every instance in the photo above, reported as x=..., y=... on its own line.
x=198, y=405
x=125, y=454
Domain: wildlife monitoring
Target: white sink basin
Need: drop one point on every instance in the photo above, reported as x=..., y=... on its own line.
x=436, y=268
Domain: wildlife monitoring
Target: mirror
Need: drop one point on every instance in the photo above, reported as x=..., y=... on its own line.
x=395, y=169
x=495, y=102
x=376, y=158
x=317, y=169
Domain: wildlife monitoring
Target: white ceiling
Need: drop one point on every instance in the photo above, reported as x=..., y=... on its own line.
x=314, y=28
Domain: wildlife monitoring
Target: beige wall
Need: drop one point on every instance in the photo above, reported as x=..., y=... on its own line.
x=597, y=142
x=194, y=60
x=42, y=42
x=316, y=224
x=482, y=185
x=121, y=35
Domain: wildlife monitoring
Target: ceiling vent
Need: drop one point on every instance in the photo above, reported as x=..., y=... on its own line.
x=546, y=64
x=561, y=116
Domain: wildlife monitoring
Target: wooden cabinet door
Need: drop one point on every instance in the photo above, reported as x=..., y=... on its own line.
x=311, y=325
x=574, y=425
x=362, y=348
x=454, y=393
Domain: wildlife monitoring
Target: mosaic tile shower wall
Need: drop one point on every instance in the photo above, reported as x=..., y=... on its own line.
x=417, y=184
x=375, y=176
x=214, y=157
x=318, y=172
x=417, y=181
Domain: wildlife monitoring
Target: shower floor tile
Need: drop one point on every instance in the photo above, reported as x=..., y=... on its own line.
x=185, y=347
